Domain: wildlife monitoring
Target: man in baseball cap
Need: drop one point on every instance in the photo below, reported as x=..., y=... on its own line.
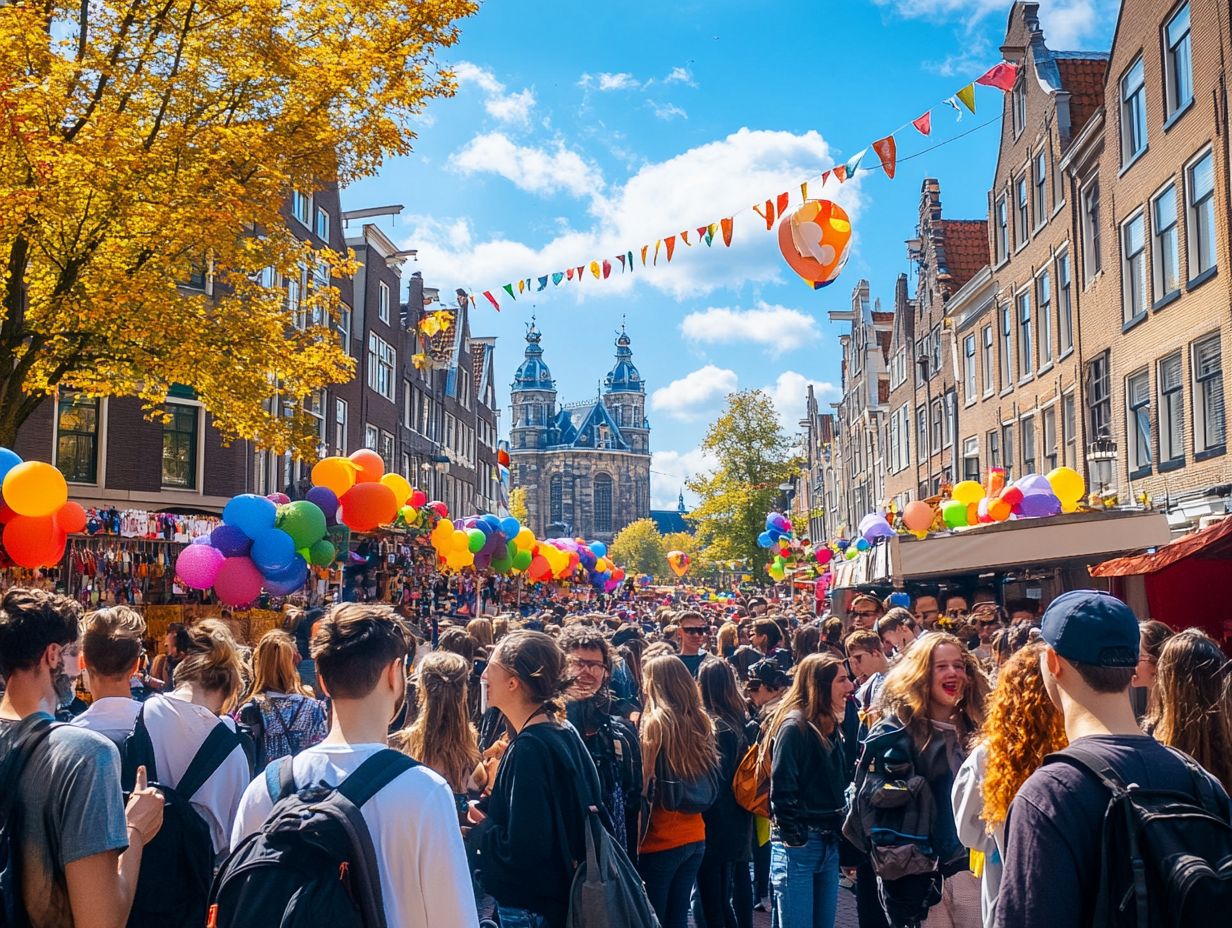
x=1054, y=831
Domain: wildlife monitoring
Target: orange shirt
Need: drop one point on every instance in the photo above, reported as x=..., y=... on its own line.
x=672, y=829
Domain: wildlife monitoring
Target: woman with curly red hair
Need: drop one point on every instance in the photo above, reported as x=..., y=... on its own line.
x=1021, y=728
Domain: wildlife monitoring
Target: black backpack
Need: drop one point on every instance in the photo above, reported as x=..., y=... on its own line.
x=177, y=865
x=313, y=862
x=1166, y=858
x=27, y=735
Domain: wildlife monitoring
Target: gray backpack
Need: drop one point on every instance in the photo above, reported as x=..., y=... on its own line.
x=607, y=891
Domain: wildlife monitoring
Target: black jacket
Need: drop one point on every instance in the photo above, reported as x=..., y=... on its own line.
x=807, y=780
x=729, y=827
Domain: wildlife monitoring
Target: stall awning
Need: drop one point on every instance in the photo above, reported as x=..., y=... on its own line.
x=1212, y=543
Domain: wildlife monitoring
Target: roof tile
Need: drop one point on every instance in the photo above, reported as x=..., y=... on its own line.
x=966, y=250
x=1084, y=79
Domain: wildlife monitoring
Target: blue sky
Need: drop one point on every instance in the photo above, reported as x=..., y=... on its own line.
x=581, y=131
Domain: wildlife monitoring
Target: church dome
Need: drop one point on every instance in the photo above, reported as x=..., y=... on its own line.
x=533, y=373
x=624, y=377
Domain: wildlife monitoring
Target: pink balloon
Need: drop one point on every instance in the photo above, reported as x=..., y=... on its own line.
x=238, y=582
x=198, y=566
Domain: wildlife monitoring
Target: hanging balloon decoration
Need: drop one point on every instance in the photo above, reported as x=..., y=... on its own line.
x=679, y=562
x=35, y=512
x=816, y=241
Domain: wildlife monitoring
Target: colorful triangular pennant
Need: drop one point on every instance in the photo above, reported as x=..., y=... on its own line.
x=684, y=237
x=924, y=124
x=543, y=283
x=645, y=248
x=888, y=153
x=492, y=300
x=607, y=268
x=967, y=95
x=804, y=192
x=768, y=215
x=557, y=278
x=784, y=202
x=853, y=163
x=840, y=172
x=595, y=269
x=728, y=226
x=568, y=273
x=658, y=243
x=508, y=288
x=622, y=263
x=670, y=243
x=1002, y=76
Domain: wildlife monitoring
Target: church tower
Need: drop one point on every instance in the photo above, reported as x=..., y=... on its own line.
x=624, y=396
x=533, y=397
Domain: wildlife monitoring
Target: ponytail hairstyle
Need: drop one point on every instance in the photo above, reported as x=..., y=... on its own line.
x=275, y=664
x=211, y=660
x=538, y=662
x=442, y=737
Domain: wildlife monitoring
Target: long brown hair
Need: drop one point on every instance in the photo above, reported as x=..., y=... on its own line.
x=674, y=723
x=1022, y=727
x=442, y=737
x=1191, y=704
x=908, y=685
x=810, y=694
x=274, y=665
x=212, y=660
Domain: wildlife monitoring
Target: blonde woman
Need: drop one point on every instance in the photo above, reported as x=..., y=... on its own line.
x=678, y=744
x=442, y=738
x=728, y=639
x=282, y=714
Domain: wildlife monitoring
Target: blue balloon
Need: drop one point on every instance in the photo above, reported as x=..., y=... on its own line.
x=764, y=540
x=510, y=526
x=273, y=551
x=484, y=527
x=587, y=559
x=8, y=460
x=230, y=540
x=286, y=582
x=492, y=521
x=253, y=515
x=599, y=548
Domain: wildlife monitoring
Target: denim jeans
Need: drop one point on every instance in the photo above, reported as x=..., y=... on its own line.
x=805, y=881
x=521, y=918
x=669, y=877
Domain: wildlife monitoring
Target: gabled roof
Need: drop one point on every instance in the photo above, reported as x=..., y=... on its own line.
x=578, y=425
x=1083, y=75
x=964, y=251
x=669, y=520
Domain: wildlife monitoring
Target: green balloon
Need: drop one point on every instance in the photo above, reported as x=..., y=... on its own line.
x=475, y=540
x=322, y=553
x=303, y=521
x=512, y=549
x=521, y=560
x=502, y=565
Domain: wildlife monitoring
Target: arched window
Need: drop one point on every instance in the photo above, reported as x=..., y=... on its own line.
x=603, y=503
x=557, y=501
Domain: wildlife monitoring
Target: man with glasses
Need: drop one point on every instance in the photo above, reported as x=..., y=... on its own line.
x=864, y=610
x=956, y=609
x=987, y=617
x=692, y=630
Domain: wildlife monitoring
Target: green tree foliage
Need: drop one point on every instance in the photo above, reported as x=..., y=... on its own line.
x=754, y=456
x=638, y=548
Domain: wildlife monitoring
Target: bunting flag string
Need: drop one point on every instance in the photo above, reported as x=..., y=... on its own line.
x=1002, y=76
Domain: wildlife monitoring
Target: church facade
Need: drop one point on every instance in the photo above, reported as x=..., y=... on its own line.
x=585, y=466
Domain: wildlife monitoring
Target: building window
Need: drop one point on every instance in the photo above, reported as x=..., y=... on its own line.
x=921, y=432
x=986, y=356
x=1025, y=364
x=410, y=401
x=386, y=449
x=1133, y=113
x=947, y=428
x=1200, y=214
x=1099, y=397
x=1007, y=449
x=904, y=457
x=180, y=446
x=994, y=448
x=556, y=493
x=77, y=417
x=1007, y=347
x=1021, y=216
x=969, y=367
x=1165, y=247
x=315, y=407
x=1028, y=444
x=322, y=225
x=936, y=352
x=1208, y=395
x=1040, y=205
x=1043, y=299
x=1171, y=410
x=300, y=206
x=971, y=459
x=1065, y=305
x=1092, y=260
x=340, y=426
x=320, y=275
x=1050, y=437
x=344, y=327
x=372, y=437
x=938, y=428
x=1138, y=413
x=603, y=503
x=382, y=302
x=1018, y=106
x=1133, y=268
x=381, y=361
x=1002, y=231
x=1069, y=431
x=1178, y=62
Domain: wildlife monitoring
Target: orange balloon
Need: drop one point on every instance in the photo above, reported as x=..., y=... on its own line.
x=368, y=465
x=71, y=517
x=336, y=474
x=35, y=488
x=918, y=516
x=816, y=240
x=34, y=541
x=400, y=485
x=366, y=506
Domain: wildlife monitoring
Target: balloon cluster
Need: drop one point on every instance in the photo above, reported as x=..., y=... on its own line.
x=364, y=496
x=679, y=562
x=35, y=511
x=815, y=241
x=779, y=539
x=1031, y=497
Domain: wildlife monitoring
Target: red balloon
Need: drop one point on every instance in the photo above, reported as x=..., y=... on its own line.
x=368, y=505
x=34, y=541
x=71, y=517
x=418, y=498
x=7, y=515
x=539, y=568
x=369, y=468
x=439, y=508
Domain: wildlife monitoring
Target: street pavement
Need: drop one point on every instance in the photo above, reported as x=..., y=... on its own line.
x=846, y=912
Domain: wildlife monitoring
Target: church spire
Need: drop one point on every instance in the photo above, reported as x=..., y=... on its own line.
x=533, y=373
x=624, y=377
x=680, y=503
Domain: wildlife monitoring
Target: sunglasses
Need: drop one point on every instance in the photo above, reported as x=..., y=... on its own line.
x=867, y=614
x=956, y=613
x=694, y=630
x=754, y=685
x=581, y=664
x=986, y=622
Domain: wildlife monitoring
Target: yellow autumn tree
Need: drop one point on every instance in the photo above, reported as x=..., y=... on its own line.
x=145, y=143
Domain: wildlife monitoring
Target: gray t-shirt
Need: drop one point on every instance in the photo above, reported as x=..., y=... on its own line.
x=71, y=806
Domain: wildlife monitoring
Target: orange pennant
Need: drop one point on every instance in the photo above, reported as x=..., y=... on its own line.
x=684, y=237
x=784, y=202
x=645, y=248
x=670, y=242
x=840, y=172
x=888, y=154
x=727, y=225
x=768, y=215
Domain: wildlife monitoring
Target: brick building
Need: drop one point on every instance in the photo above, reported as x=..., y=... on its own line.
x=815, y=499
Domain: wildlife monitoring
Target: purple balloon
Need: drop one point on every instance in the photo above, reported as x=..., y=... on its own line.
x=288, y=581
x=483, y=560
x=1037, y=505
x=1033, y=483
x=327, y=501
x=231, y=541
x=201, y=540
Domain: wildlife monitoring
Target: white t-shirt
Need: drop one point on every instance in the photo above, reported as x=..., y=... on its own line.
x=414, y=828
x=112, y=717
x=178, y=728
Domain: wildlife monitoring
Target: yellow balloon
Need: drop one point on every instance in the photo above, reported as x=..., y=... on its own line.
x=967, y=492
x=1068, y=484
x=458, y=559
x=337, y=474
x=401, y=487
x=461, y=541
x=525, y=539
x=35, y=488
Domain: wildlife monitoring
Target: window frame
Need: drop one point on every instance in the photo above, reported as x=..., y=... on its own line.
x=340, y=425
x=969, y=377
x=1027, y=443
x=1022, y=211
x=1192, y=223
x=1207, y=447
x=321, y=224
x=1001, y=239
x=1171, y=411
x=382, y=367
x=301, y=207
x=192, y=479
x=1139, y=451
x=1039, y=182
x=1007, y=347
x=1131, y=277
x=604, y=521
x=79, y=400
x=1043, y=314
x=1161, y=233
x=1092, y=232
x=1065, y=302
x=1131, y=107
x=382, y=301
x=1023, y=321
x=1174, y=105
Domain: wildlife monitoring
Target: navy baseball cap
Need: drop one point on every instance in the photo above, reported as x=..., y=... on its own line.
x=1092, y=627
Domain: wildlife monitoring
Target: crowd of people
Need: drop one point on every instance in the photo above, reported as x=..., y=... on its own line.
x=951, y=760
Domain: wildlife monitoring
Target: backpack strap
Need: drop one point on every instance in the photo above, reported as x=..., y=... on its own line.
x=374, y=774
x=28, y=734
x=216, y=748
x=280, y=778
x=1081, y=756
x=138, y=752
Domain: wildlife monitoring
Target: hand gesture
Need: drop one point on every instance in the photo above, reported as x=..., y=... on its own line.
x=144, y=811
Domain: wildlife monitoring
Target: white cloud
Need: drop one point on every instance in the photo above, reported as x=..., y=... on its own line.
x=788, y=393
x=619, y=81
x=776, y=327
x=1067, y=24
x=695, y=395
x=698, y=186
x=668, y=472
x=535, y=170
x=514, y=108
x=680, y=75
x=666, y=111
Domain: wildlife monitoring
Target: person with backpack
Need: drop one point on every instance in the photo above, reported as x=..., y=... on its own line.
x=110, y=653
x=808, y=776
x=681, y=772
x=603, y=722
x=70, y=849
x=283, y=715
x=1116, y=829
x=724, y=889
x=408, y=869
